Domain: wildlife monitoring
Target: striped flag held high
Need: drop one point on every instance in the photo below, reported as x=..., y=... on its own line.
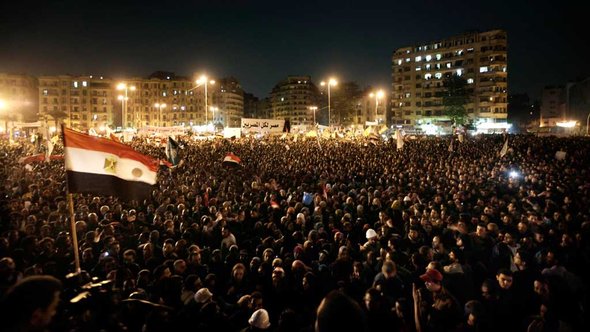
x=101, y=166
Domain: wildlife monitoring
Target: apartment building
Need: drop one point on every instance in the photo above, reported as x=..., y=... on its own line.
x=418, y=73
x=293, y=98
x=161, y=99
x=228, y=102
x=18, y=98
x=79, y=101
x=552, y=106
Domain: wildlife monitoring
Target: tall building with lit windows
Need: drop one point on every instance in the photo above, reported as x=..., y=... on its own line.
x=418, y=73
x=228, y=102
x=82, y=102
x=293, y=98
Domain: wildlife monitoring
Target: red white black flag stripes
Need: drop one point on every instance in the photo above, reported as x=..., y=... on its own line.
x=232, y=160
x=101, y=166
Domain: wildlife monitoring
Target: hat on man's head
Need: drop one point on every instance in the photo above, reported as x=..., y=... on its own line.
x=203, y=295
x=260, y=319
x=432, y=275
x=371, y=233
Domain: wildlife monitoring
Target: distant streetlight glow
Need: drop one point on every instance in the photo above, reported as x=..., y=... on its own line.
x=313, y=108
x=160, y=106
x=204, y=80
x=567, y=124
x=331, y=82
x=377, y=95
x=124, y=87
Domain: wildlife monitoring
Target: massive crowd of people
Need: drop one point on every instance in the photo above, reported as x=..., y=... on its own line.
x=424, y=238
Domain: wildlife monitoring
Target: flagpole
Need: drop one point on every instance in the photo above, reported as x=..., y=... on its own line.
x=74, y=234
x=72, y=215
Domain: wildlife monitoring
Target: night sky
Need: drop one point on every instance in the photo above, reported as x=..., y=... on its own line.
x=261, y=42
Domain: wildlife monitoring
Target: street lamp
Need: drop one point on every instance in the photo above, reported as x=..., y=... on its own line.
x=377, y=95
x=331, y=82
x=123, y=99
x=313, y=108
x=204, y=80
x=159, y=106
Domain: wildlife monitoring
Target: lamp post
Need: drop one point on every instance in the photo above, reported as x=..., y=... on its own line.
x=331, y=82
x=123, y=99
x=160, y=106
x=377, y=95
x=204, y=80
x=313, y=108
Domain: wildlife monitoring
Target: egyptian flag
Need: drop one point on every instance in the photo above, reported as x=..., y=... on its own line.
x=99, y=166
x=172, y=151
x=232, y=160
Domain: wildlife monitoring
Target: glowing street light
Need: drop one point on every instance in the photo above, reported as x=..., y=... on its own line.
x=123, y=99
x=377, y=95
x=204, y=80
x=160, y=106
x=313, y=108
x=331, y=82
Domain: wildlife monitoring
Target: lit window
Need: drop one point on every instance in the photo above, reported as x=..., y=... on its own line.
x=504, y=69
x=418, y=68
x=448, y=65
x=75, y=84
x=428, y=57
x=164, y=94
x=408, y=95
x=45, y=92
x=470, y=81
x=438, y=75
x=399, y=62
x=427, y=76
x=408, y=59
x=459, y=52
x=459, y=72
x=418, y=58
x=428, y=67
x=438, y=56
x=483, y=69
x=282, y=99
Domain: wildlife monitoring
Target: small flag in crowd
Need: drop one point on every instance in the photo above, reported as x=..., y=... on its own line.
x=172, y=151
x=400, y=140
x=231, y=160
x=100, y=166
x=373, y=138
x=504, y=148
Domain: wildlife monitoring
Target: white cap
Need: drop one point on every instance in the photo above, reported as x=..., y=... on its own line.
x=371, y=233
x=260, y=319
x=203, y=295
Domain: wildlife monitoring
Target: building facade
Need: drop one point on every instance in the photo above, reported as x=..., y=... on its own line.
x=162, y=99
x=293, y=98
x=418, y=73
x=18, y=97
x=552, y=106
x=228, y=102
x=82, y=102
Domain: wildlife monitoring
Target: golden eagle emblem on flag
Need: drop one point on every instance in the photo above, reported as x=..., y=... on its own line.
x=110, y=165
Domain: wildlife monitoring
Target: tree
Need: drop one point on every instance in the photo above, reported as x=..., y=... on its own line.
x=57, y=115
x=344, y=104
x=455, y=98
